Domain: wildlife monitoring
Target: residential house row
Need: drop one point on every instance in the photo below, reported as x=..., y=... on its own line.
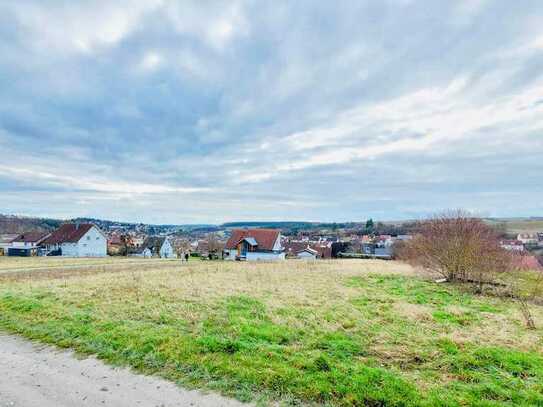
x=70, y=239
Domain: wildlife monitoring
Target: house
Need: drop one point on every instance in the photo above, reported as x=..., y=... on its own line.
x=115, y=240
x=512, y=245
x=5, y=242
x=115, y=244
x=324, y=249
x=307, y=254
x=118, y=244
x=76, y=240
x=26, y=244
x=528, y=238
x=254, y=244
x=155, y=246
x=293, y=247
x=379, y=249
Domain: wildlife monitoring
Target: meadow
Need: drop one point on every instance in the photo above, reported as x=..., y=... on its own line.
x=515, y=226
x=338, y=333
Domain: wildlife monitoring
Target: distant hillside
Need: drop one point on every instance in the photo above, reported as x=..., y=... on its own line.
x=273, y=225
x=20, y=224
x=513, y=226
x=292, y=228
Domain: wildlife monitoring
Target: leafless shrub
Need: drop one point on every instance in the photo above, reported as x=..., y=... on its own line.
x=458, y=246
x=462, y=248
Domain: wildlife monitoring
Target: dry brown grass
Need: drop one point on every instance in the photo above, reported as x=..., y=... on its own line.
x=9, y=263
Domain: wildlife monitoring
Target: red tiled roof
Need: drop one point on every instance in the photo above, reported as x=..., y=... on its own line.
x=114, y=240
x=294, y=247
x=30, y=237
x=7, y=238
x=264, y=237
x=68, y=233
x=512, y=242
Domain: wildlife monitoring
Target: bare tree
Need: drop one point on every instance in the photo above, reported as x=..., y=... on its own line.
x=458, y=246
x=127, y=243
x=214, y=246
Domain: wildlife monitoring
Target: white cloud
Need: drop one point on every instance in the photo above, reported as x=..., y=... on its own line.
x=216, y=25
x=79, y=26
x=150, y=61
x=106, y=185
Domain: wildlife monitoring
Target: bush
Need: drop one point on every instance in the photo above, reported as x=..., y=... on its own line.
x=459, y=247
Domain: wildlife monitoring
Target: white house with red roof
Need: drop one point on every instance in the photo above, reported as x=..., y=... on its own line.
x=77, y=240
x=254, y=244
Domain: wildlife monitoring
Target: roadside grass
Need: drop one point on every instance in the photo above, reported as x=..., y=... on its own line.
x=350, y=333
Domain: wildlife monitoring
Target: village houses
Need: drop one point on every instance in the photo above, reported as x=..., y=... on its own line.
x=155, y=246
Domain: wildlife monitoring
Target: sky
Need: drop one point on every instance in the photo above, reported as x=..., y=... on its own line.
x=204, y=112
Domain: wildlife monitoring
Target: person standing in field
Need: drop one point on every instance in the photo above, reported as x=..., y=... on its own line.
x=186, y=257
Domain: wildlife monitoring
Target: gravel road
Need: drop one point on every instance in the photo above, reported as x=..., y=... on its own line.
x=33, y=375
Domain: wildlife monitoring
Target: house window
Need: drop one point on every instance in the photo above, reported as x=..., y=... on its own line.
x=88, y=237
x=84, y=245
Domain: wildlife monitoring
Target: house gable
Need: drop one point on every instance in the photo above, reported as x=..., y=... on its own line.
x=266, y=239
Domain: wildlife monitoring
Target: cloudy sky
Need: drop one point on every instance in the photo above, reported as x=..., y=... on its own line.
x=191, y=112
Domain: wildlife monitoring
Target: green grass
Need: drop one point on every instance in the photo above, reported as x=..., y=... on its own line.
x=334, y=333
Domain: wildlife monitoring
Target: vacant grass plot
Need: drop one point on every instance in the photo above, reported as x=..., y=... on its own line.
x=8, y=263
x=18, y=268
x=355, y=332
x=524, y=226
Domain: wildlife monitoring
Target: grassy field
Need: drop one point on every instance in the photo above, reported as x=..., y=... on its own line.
x=33, y=263
x=514, y=226
x=352, y=332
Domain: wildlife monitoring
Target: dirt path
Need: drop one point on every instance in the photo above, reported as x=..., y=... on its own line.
x=41, y=376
